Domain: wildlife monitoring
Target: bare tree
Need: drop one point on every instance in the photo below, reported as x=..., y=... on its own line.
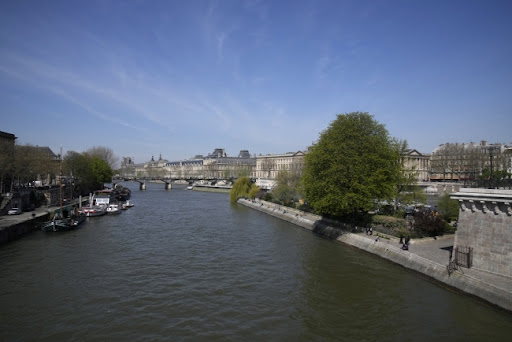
x=267, y=166
x=7, y=163
x=106, y=154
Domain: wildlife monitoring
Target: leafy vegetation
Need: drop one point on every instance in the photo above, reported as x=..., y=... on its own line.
x=20, y=165
x=428, y=224
x=254, y=191
x=287, y=187
x=389, y=222
x=241, y=188
x=88, y=172
x=353, y=164
x=104, y=153
x=448, y=208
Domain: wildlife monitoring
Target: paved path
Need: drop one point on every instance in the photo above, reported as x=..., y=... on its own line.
x=11, y=220
x=438, y=250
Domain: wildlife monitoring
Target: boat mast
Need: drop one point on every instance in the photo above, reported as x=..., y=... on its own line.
x=60, y=180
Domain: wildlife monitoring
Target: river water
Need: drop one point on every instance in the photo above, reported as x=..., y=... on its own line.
x=189, y=266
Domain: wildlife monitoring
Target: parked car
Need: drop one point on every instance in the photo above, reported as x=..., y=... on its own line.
x=14, y=211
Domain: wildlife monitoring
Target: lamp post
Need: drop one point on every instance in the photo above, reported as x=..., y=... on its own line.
x=491, y=149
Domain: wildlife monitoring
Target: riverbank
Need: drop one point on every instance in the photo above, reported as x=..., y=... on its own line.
x=428, y=256
x=13, y=227
x=212, y=188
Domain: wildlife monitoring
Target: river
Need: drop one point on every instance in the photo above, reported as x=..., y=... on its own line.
x=190, y=266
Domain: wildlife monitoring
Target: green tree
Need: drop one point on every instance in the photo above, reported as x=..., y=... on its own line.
x=240, y=188
x=352, y=165
x=77, y=165
x=287, y=187
x=88, y=171
x=254, y=191
x=448, y=208
x=105, y=153
x=101, y=171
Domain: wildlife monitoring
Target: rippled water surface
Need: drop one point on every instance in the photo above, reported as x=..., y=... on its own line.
x=187, y=266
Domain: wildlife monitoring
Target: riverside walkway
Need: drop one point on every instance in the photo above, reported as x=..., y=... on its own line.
x=428, y=256
x=13, y=227
x=438, y=251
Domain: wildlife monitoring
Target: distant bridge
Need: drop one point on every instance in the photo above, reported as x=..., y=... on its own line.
x=167, y=181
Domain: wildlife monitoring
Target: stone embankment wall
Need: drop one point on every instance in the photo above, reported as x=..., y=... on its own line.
x=16, y=230
x=485, y=225
x=470, y=285
x=212, y=188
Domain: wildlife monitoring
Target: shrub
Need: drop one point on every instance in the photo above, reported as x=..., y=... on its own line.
x=267, y=197
x=448, y=208
x=390, y=222
x=254, y=191
x=429, y=224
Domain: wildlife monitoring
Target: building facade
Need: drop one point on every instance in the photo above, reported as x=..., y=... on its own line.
x=467, y=161
x=269, y=165
x=417, y=163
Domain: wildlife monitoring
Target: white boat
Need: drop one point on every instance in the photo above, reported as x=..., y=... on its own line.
x=190, y=187
x=94, y=210
x=128, y=204
x=113, y=209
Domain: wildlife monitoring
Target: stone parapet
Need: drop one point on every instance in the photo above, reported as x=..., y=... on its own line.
x=485, y=225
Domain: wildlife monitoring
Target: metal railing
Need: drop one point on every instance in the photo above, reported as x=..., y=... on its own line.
x=464, y=256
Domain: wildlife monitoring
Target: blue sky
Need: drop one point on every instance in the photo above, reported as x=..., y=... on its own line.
x=181, y=78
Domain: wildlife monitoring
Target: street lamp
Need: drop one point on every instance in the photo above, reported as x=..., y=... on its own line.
x=491, y=148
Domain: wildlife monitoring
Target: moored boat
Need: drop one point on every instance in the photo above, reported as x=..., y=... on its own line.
x=94, y=210
x=121, y=193
x=113, y=209
x=58, y=224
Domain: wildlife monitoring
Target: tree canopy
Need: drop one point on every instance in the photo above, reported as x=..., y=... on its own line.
x=287, y=187
x=89, y=171
x=352, y=165
x=241, y=188
x=105, y=153
x=448, y=208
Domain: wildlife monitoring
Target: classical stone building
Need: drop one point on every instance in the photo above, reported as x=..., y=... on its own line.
x=186, y=169
x=269, y=165
x=219, y=165
x=484, y=235
x=215, y=165
x=417, y=163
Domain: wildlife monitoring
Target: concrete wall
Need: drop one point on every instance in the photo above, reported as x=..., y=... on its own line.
x=485, y=224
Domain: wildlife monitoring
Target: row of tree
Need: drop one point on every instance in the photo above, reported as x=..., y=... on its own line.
x=466, y=161
x=26, y=165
